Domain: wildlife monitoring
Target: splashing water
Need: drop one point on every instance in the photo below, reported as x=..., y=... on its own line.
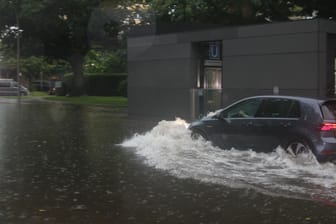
x=169, y=147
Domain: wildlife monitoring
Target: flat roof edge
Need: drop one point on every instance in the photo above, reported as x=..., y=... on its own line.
x=294, y=26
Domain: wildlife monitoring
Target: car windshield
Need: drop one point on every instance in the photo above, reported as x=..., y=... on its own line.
x=329, y=110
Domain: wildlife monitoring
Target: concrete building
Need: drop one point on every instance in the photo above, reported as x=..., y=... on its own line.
x=185, y=74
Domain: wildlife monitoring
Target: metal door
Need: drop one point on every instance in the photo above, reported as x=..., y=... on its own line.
x=212, y=99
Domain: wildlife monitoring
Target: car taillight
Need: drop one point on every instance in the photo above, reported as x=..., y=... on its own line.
x=328, y=127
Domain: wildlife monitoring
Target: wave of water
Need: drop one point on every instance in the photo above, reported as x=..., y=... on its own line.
x=169, y=147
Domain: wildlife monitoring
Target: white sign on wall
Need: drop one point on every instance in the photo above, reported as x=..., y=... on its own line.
x=215, y=63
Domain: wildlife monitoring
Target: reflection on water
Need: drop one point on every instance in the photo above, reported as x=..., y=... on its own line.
x=169, y=147
x=55, y=159
x=62, y=164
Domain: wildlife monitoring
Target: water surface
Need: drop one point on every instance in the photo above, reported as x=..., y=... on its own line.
x=63, y=163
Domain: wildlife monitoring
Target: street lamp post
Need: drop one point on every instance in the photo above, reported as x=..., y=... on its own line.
x=18, y=53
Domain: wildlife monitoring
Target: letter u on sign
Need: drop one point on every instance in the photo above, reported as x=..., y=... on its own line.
x=214, y=51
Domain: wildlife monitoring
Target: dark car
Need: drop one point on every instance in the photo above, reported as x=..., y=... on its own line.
x=263, y=123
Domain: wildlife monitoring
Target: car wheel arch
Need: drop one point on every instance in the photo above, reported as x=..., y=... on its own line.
x=196, y=132
x=298, y=139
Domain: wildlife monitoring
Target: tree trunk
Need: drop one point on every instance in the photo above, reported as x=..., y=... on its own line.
x=77, y=86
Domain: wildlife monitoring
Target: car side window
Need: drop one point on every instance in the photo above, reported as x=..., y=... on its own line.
x=279, y=108
x=244, y=109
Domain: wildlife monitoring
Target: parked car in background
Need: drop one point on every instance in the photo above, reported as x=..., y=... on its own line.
x=262, y=123
x=9, y=87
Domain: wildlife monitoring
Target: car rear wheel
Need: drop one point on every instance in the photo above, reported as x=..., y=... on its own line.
x=299, y=147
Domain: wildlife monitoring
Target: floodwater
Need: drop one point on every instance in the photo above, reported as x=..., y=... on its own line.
x=62, y=163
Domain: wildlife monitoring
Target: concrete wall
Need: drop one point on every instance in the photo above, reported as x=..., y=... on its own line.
x=160, y=76
x=294, y=56
x=255, y=62
x=163, y=68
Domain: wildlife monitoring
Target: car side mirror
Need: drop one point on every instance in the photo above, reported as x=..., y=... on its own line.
x=221, y=116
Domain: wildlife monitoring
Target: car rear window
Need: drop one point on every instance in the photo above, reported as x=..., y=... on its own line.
x=329, y=110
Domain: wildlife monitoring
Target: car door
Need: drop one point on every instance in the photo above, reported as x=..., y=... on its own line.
x=237, y=128
x=277, y=117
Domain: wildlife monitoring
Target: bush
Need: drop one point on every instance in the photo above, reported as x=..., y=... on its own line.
x=122, y=88
x=102, y=84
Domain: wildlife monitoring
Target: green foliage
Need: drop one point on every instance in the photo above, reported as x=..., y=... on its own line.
x=31, y=67
x=105, y=61
x=317, y=8
x=206, y=11
x=114, y=101
x=240, y=11
x=58, y=27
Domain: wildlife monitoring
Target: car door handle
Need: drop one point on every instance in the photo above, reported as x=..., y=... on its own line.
x=252, y=124
x=286, y=124
x=248, y=124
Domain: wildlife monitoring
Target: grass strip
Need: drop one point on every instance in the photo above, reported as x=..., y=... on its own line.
x=115, y=101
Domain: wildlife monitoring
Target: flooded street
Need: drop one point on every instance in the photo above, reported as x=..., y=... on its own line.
x=62, y=163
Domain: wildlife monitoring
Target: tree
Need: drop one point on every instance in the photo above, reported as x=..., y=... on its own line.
x=59, y=26
x=317, y=8
x=63, y=32
x=237, y=12
x=207, y=11
x=33, y=66
x=105, y=61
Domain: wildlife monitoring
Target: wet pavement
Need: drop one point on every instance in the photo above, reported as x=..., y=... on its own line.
x=63, y=163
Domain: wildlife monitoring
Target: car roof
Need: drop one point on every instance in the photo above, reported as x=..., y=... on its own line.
x=299, y=98
x=307, y=100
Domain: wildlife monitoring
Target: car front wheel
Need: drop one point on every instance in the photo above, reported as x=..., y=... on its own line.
x=196, y=134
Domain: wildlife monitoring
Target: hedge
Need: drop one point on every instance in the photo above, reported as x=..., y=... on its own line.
x=103, y=84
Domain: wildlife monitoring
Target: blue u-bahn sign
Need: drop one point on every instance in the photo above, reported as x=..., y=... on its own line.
x=214, y=50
